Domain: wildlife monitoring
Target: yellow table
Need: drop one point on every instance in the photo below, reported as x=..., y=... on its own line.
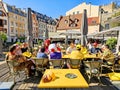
x=91, y=56
x=85, y=56
x=66, y=56
x=62, y=82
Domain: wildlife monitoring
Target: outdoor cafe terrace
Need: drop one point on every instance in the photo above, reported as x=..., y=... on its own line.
x=32, y=83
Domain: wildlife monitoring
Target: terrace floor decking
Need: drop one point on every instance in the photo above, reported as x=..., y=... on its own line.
x=31, y=83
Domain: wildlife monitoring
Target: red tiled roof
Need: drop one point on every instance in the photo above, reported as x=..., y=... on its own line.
x=74, y=22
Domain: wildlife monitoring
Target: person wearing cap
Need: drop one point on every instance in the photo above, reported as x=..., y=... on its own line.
x=95, y=49
x=84, y=50
x=76, y=54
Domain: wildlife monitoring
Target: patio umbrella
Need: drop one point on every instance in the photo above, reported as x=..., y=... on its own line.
x=30, y=29
x=1, y=46
x=46, y=33
x=84, y=28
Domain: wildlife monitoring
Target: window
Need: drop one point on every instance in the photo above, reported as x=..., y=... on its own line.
x=77, y=12
x=1, y=13
x=12, y=23
x=73, y=13
x=5, y=22
x=16, y=24
x=66, y=21
x=16, y=31
x=12, y=29
x=107, y=26
x=93, y=22
x=1, y=23
x=16, y=17
x=73, y=25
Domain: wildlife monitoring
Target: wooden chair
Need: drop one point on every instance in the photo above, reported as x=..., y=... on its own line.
x=75, y=63
x=93, y=68
x=56, y=63
x=41, y=64
x=13, y=71
x=110, y=64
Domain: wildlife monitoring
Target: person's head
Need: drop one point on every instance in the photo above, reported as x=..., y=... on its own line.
x=13, y=49
x=42, y=49
x=95, y=45
x=18, y=47
x=119, y=48
x=78, y=47
x=47, y=42
x=105, y=47
x=24, y=45
x=72, y=45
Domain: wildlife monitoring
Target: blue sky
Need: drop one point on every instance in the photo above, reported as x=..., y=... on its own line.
x=53, y=8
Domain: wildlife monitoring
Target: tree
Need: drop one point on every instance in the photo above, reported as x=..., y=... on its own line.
x=111, y=43
x=3, y=37
x=21, y=38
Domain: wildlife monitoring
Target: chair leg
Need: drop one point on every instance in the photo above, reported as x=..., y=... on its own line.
x=8, y=77
x=14, y=78
x=100, y=83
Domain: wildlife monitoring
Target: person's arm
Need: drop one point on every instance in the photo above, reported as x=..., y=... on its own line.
x=45, y=56
x=68, y=51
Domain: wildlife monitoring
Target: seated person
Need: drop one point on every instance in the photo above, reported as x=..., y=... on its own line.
x=41, y=53
x=76, y=54
x=118, y=56
x=95, y=49
x=107, y=54
x=55, y=55
x=24, y=47
x=22, y=61
x=70, y=48
x=84, y=50
x=46, y=45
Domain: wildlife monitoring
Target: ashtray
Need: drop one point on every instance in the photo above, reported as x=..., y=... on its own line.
x=71, y=75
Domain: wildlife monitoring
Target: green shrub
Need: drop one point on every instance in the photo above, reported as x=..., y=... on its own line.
x=111, y=43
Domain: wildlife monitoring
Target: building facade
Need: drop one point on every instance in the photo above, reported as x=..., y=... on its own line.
x=45, y=25
x=35, y=31
x=73, y=19
x=73, y=23
x=92, y=10
x=3, y=19
x=110, y=16
x=17, y=23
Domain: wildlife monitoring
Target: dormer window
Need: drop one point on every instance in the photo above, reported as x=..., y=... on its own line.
x=66, y=21
x=93, y=22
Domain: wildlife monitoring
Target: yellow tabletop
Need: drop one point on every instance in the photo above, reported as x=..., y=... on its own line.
x=66, y=56
x=91, y=56
x=62, y=82
x=85, y=56
x=5, y=52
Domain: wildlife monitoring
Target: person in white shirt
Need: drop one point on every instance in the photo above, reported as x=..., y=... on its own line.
x=70, y=48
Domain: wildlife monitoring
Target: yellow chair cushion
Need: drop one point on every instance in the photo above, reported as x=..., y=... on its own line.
x=27, y=54
x=114, y=76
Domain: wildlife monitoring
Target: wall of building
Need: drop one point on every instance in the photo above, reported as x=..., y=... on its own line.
x=35, y=27
x=93, y=29
x=17, y=25
x=92, y=10
x=109, y=7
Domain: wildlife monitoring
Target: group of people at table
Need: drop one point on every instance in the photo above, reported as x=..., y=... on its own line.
x=54, y=51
